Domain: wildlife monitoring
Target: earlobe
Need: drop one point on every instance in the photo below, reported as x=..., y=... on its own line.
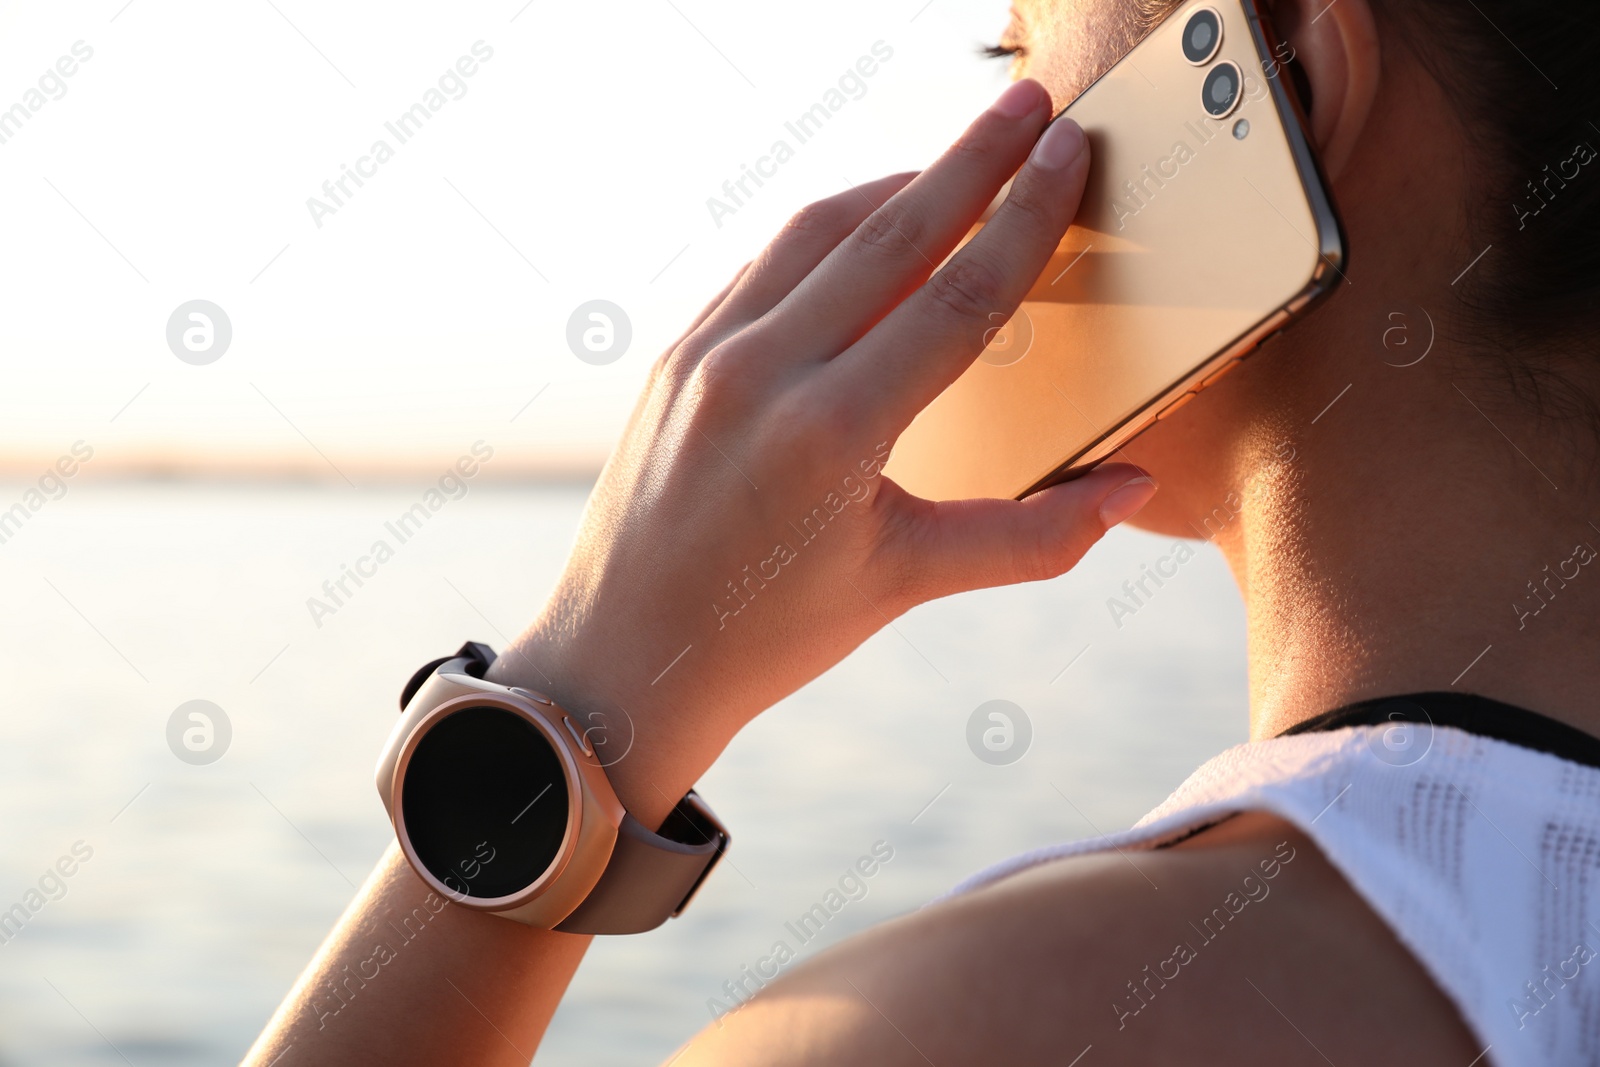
x=1336, y=45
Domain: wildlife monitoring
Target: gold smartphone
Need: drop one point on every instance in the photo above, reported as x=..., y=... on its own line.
x=1206, y=228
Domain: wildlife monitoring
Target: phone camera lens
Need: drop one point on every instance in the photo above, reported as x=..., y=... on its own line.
x=1202, y=36
x=1220, y=93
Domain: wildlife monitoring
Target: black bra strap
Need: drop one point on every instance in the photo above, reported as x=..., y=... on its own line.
x=1464, y=711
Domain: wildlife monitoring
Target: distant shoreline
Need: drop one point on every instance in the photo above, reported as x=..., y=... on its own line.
x=244, y=471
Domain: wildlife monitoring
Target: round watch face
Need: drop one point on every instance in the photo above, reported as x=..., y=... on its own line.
x=484, y=799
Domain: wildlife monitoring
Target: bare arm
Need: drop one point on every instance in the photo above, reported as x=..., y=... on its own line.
x=407, y=977
x=741, y=541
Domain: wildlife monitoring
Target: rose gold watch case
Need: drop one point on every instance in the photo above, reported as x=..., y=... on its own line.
x=1151, y=295
x=593, y=811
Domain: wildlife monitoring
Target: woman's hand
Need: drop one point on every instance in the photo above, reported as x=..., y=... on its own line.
x=743, y=539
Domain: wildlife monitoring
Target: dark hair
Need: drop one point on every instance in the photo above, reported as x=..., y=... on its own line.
x=1525, y=81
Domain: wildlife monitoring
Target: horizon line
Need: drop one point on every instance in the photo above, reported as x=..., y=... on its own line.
x=244, y=470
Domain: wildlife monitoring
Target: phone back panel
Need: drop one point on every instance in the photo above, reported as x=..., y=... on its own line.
x=1191, y=245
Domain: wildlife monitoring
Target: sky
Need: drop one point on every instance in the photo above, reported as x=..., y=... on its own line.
x=564, y=154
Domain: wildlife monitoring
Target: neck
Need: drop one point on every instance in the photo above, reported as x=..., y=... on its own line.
x=1425, y=533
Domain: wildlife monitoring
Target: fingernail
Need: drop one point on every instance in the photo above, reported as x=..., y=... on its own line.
x=1125, y=501
x=1019, y=99
x=1061, y=144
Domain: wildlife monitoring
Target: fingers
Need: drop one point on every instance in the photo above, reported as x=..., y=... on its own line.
x=668, y=356
x=926, y=342
x=896, y=247
x=805, y=240
x=936, y=549
x=716, y=302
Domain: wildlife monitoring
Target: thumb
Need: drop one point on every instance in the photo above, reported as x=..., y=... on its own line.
x=955, y=545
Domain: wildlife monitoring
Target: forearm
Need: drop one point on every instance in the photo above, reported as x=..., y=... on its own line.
x=407, y=977
x=741, y=541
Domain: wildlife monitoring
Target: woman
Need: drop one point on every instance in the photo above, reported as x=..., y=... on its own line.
x=1403, y=543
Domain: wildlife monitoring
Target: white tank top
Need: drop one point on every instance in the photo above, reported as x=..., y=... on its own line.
x=1482, y=856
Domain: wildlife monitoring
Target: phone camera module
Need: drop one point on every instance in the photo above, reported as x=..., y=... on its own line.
x=1202, y=36
x=1220, y=93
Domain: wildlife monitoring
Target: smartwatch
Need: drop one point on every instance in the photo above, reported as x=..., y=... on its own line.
x=501, y=804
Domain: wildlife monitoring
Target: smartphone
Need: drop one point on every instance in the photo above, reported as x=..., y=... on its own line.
x=1205, y=229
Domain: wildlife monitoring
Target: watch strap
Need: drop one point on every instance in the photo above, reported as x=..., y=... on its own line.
x=475, y=658
x=651, y=877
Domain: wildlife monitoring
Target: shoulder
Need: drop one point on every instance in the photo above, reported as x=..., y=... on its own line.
x=1241, y=945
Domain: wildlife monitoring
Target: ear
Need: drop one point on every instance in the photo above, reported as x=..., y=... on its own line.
x=1336, y=45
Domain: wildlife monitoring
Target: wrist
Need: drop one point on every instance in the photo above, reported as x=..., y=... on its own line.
x=653, y=753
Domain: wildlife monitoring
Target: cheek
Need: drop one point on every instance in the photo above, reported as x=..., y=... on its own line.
x=1164, y=452
x=1073, y=42
x=1188, y=455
